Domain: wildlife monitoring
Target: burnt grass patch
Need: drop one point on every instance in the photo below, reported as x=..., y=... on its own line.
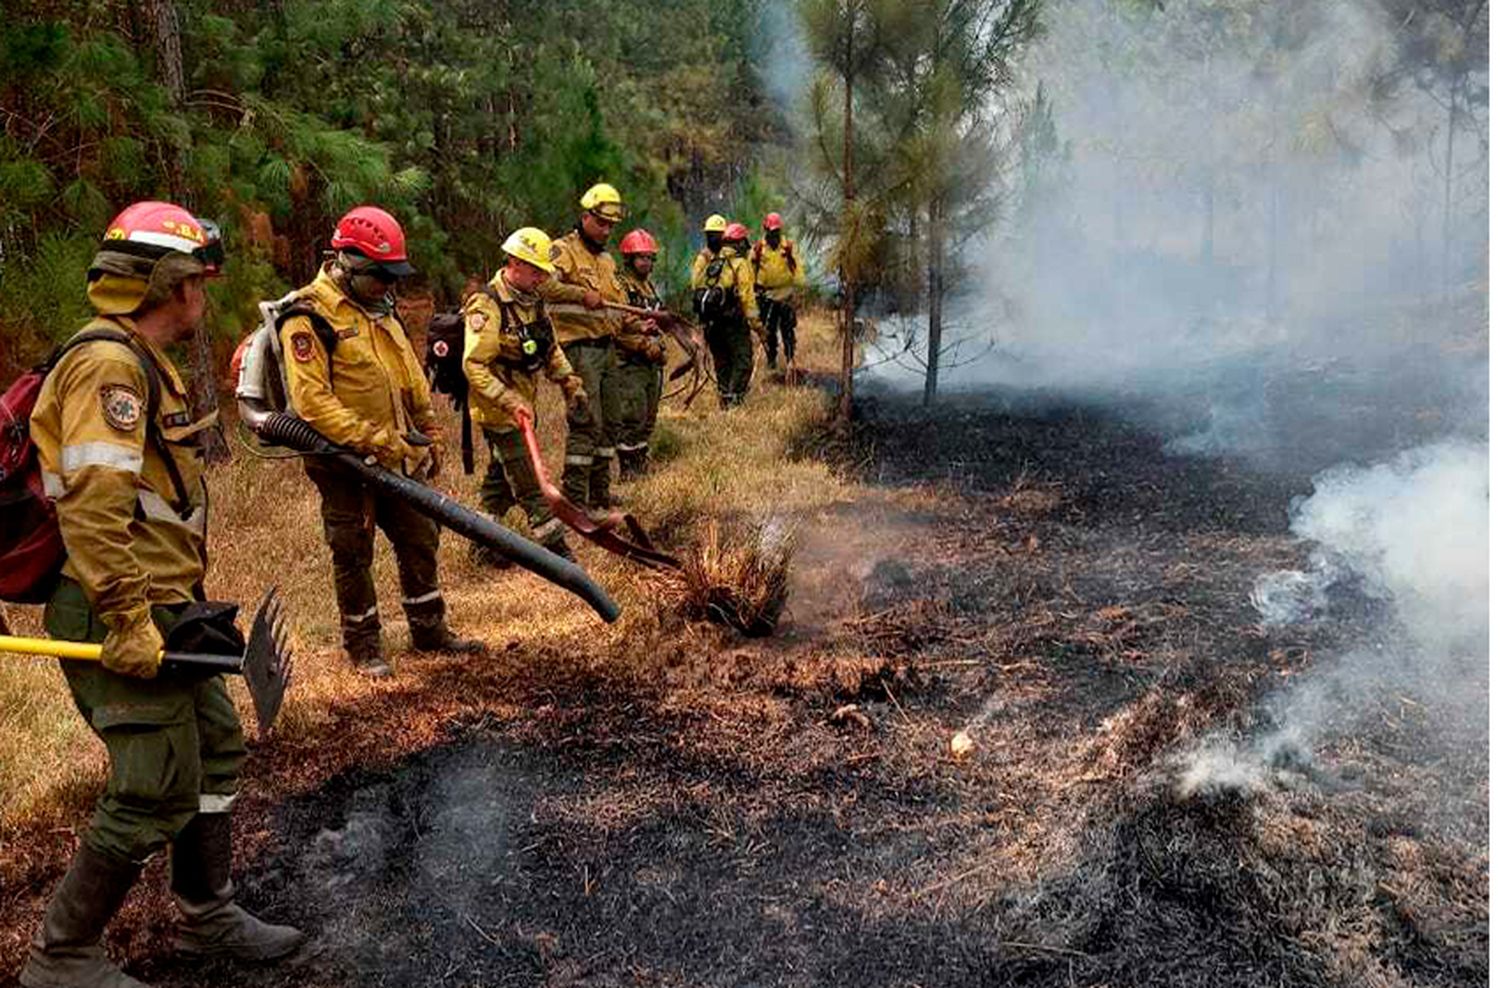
x=713, y=811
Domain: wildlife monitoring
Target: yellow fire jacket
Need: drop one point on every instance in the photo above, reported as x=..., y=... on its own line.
x=737, y=276
x=492, y=354
x=579, y=269
x=700, y=265
x=371, y=390
x=632, y=339
x=779, y=271
x=130, y=541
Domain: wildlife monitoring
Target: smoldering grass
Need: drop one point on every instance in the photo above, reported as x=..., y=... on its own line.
x=735, y=575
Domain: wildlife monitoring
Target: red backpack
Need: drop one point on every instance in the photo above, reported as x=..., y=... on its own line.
x=31, y=546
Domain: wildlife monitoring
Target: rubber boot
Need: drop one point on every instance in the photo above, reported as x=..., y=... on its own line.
x=65, y=953
x=212, y=925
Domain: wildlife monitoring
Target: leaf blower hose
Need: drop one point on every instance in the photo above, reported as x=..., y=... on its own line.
x=281, y=429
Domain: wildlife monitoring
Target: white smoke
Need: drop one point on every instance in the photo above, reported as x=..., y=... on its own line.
x=1231, y=199
x=1414, y=534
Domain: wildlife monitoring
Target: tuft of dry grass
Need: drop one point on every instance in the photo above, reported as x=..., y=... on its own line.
x=737, y=577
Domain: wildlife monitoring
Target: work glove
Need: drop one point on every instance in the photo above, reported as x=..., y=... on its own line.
x=578, y=402
x=524, y=418
x=592, y=300
x=392, y=451
x=655, y=352
x=434, y=460
x=133, y=645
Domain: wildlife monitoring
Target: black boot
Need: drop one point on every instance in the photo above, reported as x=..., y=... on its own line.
x=65, y=953
x=212, y=925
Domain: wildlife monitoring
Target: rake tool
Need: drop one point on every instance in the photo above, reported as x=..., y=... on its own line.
x=600, y=531
x=266, y=664
x=679, y=328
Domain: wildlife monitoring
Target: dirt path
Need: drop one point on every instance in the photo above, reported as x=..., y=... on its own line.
x=784, y=812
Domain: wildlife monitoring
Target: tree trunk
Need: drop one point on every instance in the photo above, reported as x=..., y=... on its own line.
x=935, y=241
x=166, y=38
x=846, y=364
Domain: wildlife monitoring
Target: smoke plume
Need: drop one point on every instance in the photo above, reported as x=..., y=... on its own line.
x=1232, y=216
x=1412, y=536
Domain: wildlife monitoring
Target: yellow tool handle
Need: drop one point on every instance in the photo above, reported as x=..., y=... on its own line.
x=50, y=646
x=83, y=650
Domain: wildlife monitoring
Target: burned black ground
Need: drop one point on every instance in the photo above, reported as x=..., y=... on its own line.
x=1056, y=582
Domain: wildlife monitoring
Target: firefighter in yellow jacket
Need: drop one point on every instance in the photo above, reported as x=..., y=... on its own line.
x=779, y=274
x=713, y=239
x=642, y=353
x=353, y=376
x=120, y=454
x=585, y=276
x=508, y=341
x=726, y=303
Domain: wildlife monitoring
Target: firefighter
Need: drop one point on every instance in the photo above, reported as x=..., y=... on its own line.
x=353, y=376
x=729, y=315
x=586, y=275
x=120, y=452
x=713, y=239
x=778, y=276
x=642, y=354
x=508, y=341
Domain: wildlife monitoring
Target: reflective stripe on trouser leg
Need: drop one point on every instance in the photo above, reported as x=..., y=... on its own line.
x=585, y=427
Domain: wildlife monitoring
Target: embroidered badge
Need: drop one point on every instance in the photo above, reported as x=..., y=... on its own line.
x=302, y=347
x=121, y=406
x=440, y=348
x=476, y=321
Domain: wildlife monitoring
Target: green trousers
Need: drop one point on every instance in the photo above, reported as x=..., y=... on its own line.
x=589, y=454
x=174, y=742
x=639, y=396
x=509, y=481
x=352, y=510
x=734, y=358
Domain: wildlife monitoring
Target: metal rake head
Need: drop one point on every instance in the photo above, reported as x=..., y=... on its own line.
x=268, y=662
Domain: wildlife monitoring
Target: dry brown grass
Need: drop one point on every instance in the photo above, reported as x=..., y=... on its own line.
x=265, y=530
x=737, y=577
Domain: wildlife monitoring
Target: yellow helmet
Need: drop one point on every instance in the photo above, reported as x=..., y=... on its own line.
x=532, y=246
x=715, y=224
x=604, y=200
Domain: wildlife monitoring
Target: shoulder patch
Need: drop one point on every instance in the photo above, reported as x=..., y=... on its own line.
x=476, y=321
x=302, y=346
x=121, y=406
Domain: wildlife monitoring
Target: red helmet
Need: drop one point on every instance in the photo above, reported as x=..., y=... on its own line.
x=152, y=230
x=773, y=221
x=374, y=233
x=638, y=242
x=736, y=231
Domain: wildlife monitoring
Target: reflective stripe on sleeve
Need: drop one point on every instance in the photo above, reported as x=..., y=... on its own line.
x=52, y=485
x=117, y=457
